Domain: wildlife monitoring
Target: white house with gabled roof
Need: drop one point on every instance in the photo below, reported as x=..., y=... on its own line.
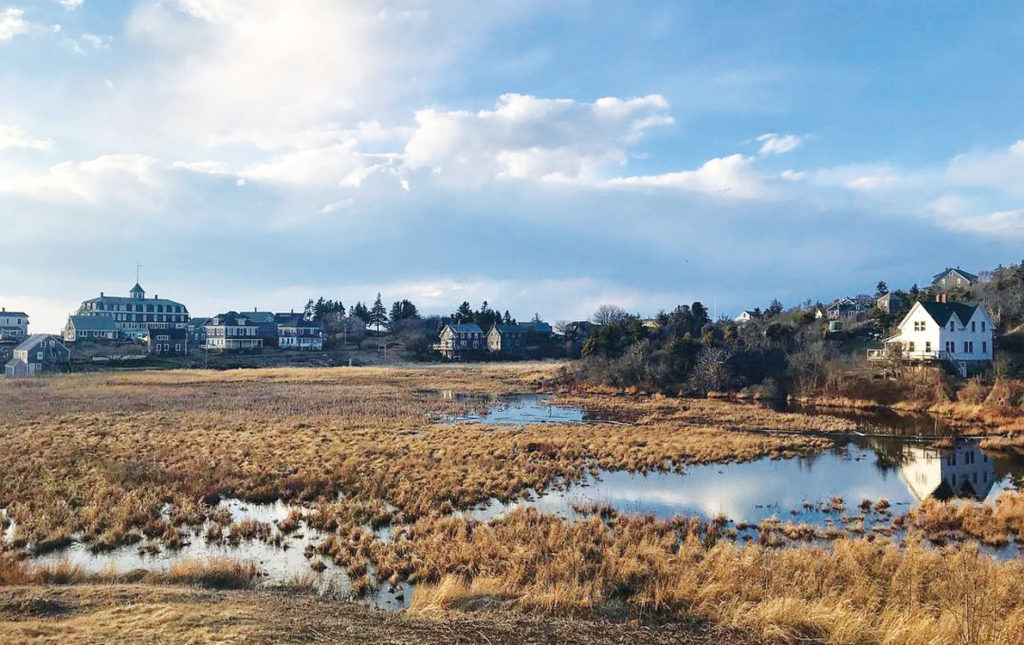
x=956, y=332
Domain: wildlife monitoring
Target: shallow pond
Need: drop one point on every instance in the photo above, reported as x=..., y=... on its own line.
x=799, y=489
x=517, y=409
x=279, y=564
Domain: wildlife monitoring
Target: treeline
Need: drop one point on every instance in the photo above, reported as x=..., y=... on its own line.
x=685, y=352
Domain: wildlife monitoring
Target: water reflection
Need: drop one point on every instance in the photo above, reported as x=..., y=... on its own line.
x=281, y=563
x=964, y=471
x=516, y=409
x=801, y=489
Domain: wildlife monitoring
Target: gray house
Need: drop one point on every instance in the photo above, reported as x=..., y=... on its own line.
x=90, y=328
x=295, y=332
x=13, y=325
x=890, y=303
x=954, y=279
x=37, y=354
x=266, y=321
x=507, y=340
x=457, y=341
x=233, y=332
x=167, y=342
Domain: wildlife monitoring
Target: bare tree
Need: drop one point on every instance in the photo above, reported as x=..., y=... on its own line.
x=609, y=314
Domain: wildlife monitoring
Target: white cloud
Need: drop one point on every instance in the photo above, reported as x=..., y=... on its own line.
x=1000, y=223
x=778, y=144
x=13, y=137
x=526, y=137
x=732, y=177
x=71, y=4
x=998, y=169
x=123, y=177
x=12, y=23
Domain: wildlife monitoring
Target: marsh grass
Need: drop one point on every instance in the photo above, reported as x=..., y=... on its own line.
x=146, y=457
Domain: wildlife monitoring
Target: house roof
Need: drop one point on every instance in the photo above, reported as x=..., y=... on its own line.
x=14, y=313
x=92, y=323
x=942, y=311
x=173, y=332
x=230, y=319
x=120, y=300
x=967, y=276
x=258, y=317
x=296, y=320
x=466, y=329
x=34, y=340
x=15, y=361
x=511, y=329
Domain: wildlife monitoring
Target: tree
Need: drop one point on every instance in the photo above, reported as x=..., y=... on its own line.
x=609, y=315
x=508, y=318
x=463, y=314
x=308, y=313
x=881, y=288
x=360, y=311
x=404, y=310
x=378, y=314
x=774, y=309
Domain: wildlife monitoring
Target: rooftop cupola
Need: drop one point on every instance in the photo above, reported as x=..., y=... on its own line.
x=138, y=292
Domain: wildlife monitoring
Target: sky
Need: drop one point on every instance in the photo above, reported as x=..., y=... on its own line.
x=547, y=157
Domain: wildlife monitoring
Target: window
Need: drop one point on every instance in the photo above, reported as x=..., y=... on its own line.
x=160, y=308
x=973, y=326
x=910, y=346
x=928, y=346
x=952, y=326
x=983, y=325
x=984, y=347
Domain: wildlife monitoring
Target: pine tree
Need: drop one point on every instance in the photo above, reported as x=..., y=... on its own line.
x=463, y=314
x=378, y=314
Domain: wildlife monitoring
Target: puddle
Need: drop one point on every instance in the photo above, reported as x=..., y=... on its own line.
x=516, y=409
x=798, y=489
x=279, y=564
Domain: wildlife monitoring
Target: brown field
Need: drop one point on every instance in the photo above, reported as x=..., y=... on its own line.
x=114, y=459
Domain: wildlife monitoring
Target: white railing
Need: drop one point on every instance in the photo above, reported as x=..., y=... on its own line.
x=886, y=354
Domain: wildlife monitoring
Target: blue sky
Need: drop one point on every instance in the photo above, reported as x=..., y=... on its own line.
x=543, y=156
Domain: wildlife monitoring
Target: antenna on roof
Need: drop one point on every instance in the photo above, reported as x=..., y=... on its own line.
x=138, y=270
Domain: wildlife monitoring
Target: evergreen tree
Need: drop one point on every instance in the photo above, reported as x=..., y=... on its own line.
x=360, y=311
x=378, y=314
x=404, y=310
x=463, y=314
x=308, y=312
x=881, y=288
x=508, y=318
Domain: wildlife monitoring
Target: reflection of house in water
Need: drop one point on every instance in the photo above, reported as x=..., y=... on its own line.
x=963, y=471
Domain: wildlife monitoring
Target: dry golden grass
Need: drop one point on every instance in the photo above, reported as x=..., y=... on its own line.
x=100, y=456
x=119, y=459
x=154, y=614
x=856, y=592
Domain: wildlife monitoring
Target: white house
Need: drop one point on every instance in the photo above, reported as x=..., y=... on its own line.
x=955, y=332
x=746, y=316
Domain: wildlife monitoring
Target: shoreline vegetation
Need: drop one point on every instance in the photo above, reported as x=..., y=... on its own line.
x=143, y=459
